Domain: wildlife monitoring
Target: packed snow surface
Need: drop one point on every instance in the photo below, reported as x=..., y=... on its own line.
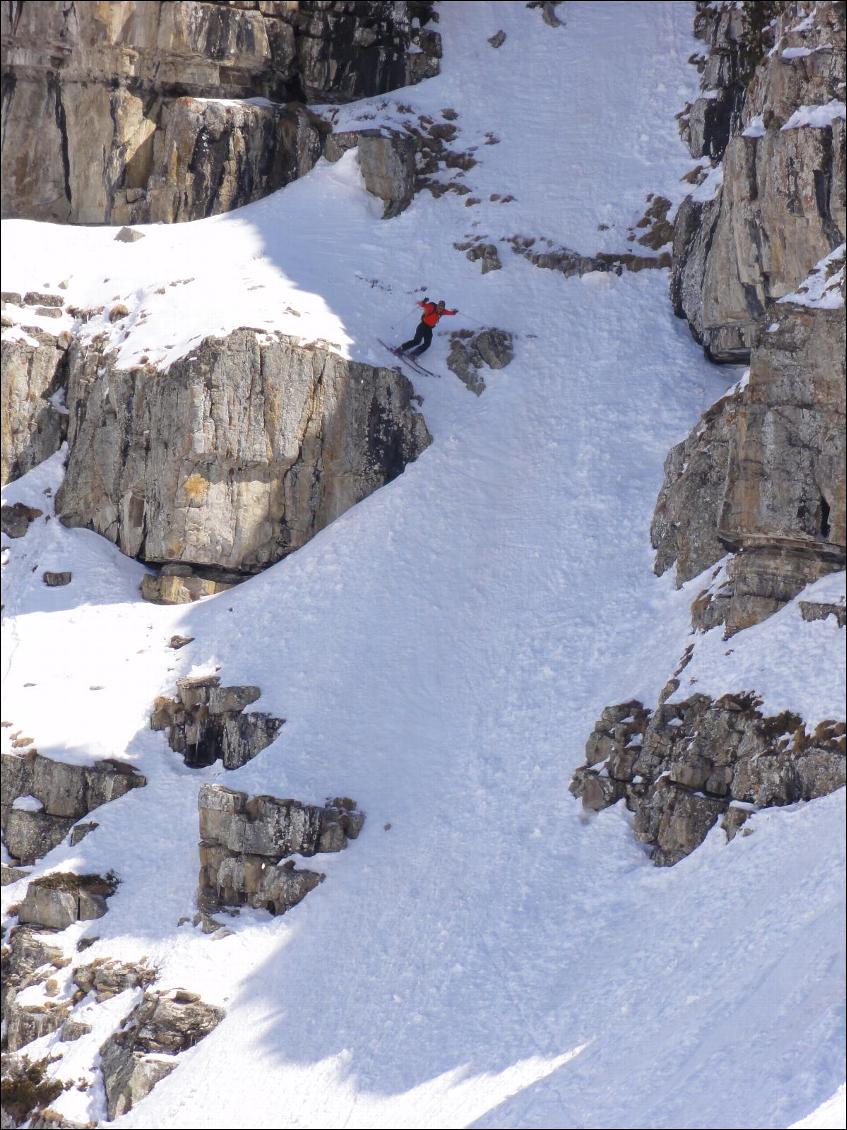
x=483, y=955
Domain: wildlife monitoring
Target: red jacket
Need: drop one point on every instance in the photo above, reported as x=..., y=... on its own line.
x=431, y=313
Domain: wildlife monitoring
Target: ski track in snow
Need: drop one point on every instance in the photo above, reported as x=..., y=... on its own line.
x=441, y=652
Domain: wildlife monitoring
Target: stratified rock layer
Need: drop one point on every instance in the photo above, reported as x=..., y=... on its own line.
x=686, y=765
x=142, y=1051
x=243, y=841
x=66, y=794
x=238, y=455
x=34, y=373
x=781, y=205
x=758, y=272
x=139, y=110
x=206, y=722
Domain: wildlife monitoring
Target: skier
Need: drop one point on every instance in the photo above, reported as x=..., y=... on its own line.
x=422, y=340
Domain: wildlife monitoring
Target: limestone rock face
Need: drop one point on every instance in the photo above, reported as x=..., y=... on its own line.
x=687, y=515
x=162, y=1025
x=762, y=475
x=33, y=366
x=243, y=841
x=66, y=792
x=206, y=723
x=758, y=272
x=686, y=765
x=242, y=453
x=116, y=93
x=781, y=204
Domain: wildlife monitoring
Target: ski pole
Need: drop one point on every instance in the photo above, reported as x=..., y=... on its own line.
x=468, y=319
x=403, y=317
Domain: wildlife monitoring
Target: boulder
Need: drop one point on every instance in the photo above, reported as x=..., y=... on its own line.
x=469, y=353
x=59, y=899
x=15, y=519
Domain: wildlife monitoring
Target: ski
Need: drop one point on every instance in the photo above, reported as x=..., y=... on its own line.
x=410, y=361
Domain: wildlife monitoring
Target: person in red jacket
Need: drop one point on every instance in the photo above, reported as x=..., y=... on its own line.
x=432, y=312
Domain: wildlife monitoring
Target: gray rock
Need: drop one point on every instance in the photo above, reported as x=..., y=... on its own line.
x=487, y=256
x=498, y=39
x=816, y=610
x=56, y=580
x=67, y=793
x=244, y=841
x=771, y=475
x=167, y=588
x=15, y=519
x=33, y=371
x=160, y=1026
x=106, y=978
x=685, y=523
x=206, y=724
x=129, y=235
x=249, y=447
x=59, y=899
x=387, y=161
x=686, y=765
x=39, y=298
x=136, y=125
x=469, y=353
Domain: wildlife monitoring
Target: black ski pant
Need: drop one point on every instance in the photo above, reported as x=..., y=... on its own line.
x=422, y=339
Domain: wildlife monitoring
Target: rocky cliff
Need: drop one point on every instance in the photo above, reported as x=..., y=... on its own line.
x=237, y=455
x=142, y=112
x=758, y=274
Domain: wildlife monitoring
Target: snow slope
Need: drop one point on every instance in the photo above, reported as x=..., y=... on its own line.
x=483, y=955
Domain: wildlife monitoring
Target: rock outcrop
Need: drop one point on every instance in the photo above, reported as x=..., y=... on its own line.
x=780, y=203
x=758, y=272
x=59, y=899
x=29, y=960
x=206, y=722
x=16, y=519
x=689, y=764
x=387, y=160
x=34, y=373
x=471, y=352
x=58, y=795
x=251, y=445
x=154, y=111
x=244, y=841
x=162, y=1025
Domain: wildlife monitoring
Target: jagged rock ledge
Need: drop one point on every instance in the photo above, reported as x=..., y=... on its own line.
x=161, y=1025
x=57, y=795
x=243, y=841
x=206, y=722
x=688, y=764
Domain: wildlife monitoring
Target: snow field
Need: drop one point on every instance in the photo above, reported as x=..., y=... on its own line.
x=483, y=955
